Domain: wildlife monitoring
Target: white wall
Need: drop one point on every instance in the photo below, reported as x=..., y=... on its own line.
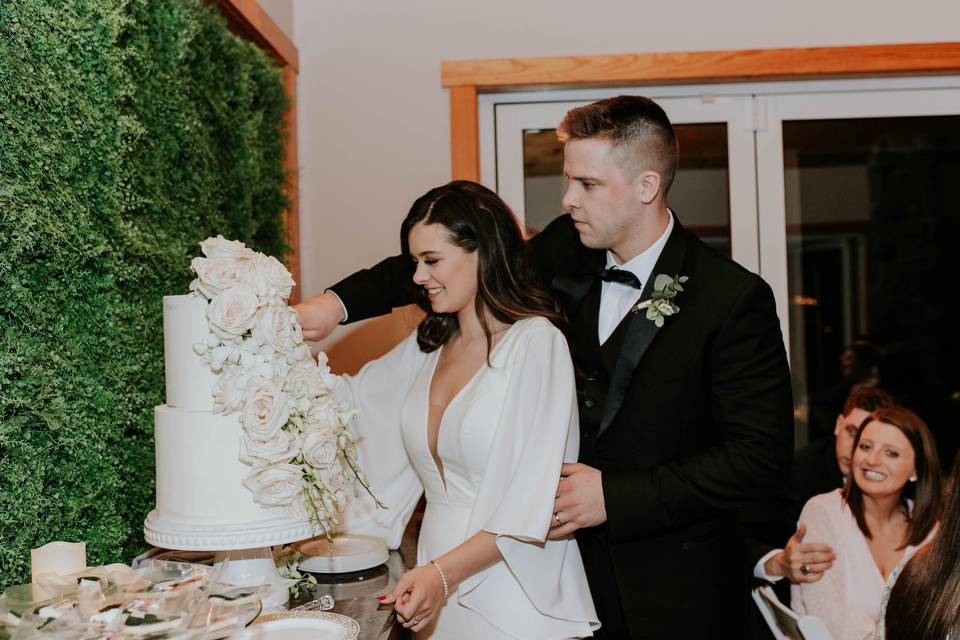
x=373, y=117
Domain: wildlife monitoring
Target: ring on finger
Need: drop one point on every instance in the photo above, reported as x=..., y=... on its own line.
x=556, y=518
x=415, y=621
x=805, y=569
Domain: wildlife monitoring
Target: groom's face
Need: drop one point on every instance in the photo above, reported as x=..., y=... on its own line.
x=602, y=194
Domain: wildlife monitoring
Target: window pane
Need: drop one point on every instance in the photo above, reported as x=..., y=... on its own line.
x=873, y=243
x=699, y=195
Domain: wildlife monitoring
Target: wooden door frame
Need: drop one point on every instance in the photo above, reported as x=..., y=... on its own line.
x=248, y=20
x=466, y=79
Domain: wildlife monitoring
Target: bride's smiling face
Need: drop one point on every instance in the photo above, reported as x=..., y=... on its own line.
x=447, y=273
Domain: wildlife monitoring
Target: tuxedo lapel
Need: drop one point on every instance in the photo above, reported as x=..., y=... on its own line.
x=641, y=332
x=571, y=288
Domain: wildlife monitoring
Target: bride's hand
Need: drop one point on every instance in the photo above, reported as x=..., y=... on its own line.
x=417, y=597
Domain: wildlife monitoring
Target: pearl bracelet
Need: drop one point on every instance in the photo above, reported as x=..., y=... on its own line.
x=443, y=578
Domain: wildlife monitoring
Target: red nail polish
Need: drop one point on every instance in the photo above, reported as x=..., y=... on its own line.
x=381, y=598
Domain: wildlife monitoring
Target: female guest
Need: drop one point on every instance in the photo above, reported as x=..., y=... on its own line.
x=889, y=506
x=476, y=408
x=925, y=602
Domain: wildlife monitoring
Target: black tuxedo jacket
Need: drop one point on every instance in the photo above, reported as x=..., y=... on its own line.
x=697, y=418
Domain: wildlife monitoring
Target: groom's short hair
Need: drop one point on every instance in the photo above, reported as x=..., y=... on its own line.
x=637, y=127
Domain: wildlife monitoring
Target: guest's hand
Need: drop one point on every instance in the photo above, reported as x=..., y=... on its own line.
x=319, y=315
x=797, y=554
x=417, y=597
x=579, y=502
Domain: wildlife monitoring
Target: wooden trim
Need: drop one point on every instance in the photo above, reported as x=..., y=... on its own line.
x=249, y=20
x=703, y=66
x=291, y=220
x=464, y=135
x=466, y=78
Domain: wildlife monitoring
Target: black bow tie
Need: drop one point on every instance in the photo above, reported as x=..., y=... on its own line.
x=620, y=275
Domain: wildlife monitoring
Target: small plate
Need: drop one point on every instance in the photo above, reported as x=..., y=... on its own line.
x=350, y=553
x=302, y=625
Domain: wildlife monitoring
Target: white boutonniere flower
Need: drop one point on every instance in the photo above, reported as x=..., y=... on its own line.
x=661, y=304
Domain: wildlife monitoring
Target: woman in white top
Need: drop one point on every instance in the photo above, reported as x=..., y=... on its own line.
x=889, y=506
x=476, y=409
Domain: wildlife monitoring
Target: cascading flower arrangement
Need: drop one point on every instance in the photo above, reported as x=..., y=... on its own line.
x=296, y=435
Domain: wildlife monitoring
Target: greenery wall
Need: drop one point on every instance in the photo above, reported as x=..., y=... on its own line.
x=129, y=131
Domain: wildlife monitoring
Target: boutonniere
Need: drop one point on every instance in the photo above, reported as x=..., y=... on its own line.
x=661, y=304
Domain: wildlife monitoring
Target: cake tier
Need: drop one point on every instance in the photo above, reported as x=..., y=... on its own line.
x=189, y=380
x=199, y=475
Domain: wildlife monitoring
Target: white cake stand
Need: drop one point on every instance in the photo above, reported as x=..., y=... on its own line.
x=246, y=546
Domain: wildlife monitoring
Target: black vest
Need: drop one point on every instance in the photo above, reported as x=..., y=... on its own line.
x=595, y=365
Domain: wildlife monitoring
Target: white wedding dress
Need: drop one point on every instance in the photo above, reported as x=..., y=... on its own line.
x=501, y=442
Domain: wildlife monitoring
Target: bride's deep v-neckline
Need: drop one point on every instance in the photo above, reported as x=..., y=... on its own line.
x=435, y=453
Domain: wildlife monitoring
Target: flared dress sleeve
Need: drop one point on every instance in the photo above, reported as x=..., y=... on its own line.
x=377, y=392
x=536, y=432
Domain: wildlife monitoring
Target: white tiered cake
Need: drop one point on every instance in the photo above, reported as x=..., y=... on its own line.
x=202, y=504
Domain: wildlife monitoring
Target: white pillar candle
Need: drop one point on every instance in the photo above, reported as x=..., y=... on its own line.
x=60, y=558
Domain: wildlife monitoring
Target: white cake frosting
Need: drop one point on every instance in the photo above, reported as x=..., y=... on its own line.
x=198, y=471
x=189, y=380
x=201, y=501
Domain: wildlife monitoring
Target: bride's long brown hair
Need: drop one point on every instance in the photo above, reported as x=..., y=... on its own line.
x=477, y=220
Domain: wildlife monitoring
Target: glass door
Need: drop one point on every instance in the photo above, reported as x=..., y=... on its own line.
x=713, y=194
x=860, y=238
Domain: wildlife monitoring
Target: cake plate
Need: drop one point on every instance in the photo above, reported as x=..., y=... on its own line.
x=246, y=546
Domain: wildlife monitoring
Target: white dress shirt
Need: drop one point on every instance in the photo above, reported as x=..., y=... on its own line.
x=616, y=298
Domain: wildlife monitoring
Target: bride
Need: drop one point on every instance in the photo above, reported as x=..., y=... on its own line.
x=476, y=409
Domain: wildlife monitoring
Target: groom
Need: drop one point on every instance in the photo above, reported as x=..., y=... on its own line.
x=685, y=405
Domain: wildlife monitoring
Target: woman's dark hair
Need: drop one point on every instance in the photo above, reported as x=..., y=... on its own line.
x=925, y=601
x=477, y=220
x=926, y=492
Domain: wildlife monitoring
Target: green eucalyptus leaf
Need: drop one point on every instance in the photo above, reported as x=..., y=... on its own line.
x=661, y=281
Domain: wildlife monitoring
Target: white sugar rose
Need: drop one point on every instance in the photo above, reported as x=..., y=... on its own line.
x=220, y=247
x=271, y=279
x=277, y=328
x=232, y=313
x=324, y=413
x=320, y=448
x=265, y=411
x=304, y=382
x=216, y=275
x=277, y=485
x=229, y=389
x=279, y=449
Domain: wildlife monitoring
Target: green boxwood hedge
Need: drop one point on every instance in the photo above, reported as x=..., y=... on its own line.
x=129, y=131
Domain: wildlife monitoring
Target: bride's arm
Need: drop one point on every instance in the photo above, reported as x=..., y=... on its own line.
x=426, y=587
x=377, y=393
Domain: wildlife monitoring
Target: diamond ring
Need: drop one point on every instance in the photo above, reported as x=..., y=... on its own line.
x=556, y=518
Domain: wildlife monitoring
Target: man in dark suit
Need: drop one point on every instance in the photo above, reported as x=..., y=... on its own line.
x=685, y=403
